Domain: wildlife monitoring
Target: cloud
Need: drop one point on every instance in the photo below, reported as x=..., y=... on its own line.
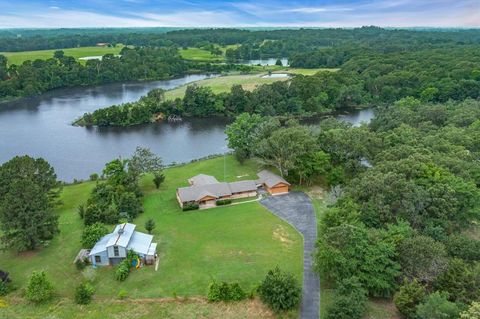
x=316, y=9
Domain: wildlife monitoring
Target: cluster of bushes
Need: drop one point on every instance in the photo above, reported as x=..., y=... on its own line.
x=123, y=269
x=224, y=291
x=92, y=234
x=349, y=302
x=39, y=288
x=280, y=290
x=222, y=202
x=84, y=293
x=190, y=206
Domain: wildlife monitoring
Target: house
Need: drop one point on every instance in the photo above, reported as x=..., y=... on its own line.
x=103, y=44
x=206, y=190
x=273, y=183
x=111, y=249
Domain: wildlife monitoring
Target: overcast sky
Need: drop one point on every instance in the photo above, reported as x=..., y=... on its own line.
x=217, y=13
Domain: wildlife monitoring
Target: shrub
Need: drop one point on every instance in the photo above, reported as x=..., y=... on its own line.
x=463, y=247
x=350, y=300
x=93, y=177
x=150, y=225
x=158, y=179
x=80, y=264
x=473, y=312
x=84, y=293
x=122, y=271
x=81, y=211
x=187, y=207
x=122, y=294
x=437, y=306
x=39, y=288
x=3, y=288
x=410, y=295
x=225, y=292
x=280, y=290
x=92, y=234
x=222, y=202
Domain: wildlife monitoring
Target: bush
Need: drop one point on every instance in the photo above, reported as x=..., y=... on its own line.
x=463, y=247
x=280, y=290
x=410, y=295
x=150, y=225
x=3, y=288
x=222, y=202
x=437, y=306
x=80, y=264
x=473, y=312
x=93, y=177
x=39, y=289
x=122, y=294
x=122, y=271
x=158, y=179
x=92, y=234
x=187, y=207
x=84, y=293
x=350, y=301
x=225, y=292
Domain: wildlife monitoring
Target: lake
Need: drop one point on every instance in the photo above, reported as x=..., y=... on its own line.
x=41, y=127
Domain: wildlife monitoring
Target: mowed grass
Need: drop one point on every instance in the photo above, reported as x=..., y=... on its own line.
x=237, y=243
x=19, y=57
x=197, y=54
x=248, y=81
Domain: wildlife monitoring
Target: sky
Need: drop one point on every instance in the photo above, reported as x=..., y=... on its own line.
x=232, y=13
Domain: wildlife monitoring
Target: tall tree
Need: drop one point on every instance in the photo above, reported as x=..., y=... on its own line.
x=28, y=191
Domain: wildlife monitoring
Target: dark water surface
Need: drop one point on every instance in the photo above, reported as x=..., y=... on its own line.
x=40, y=127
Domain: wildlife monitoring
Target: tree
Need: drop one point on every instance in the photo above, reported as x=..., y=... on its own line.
x=280, y=290
x=92, y=234
x=39, y=289
x=437, y=306
x=240, y=134
x=312, y=165
x=349, y=302
x=473, y=312
x=158, y=179
x=422, y=257
x=145, y=161
x=84, y=293
x=278, y=62
x=150, y=225
x=285, y=146
x=410, y=295
x=28, y=192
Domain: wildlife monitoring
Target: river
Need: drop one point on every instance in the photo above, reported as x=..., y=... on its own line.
x=40, y=127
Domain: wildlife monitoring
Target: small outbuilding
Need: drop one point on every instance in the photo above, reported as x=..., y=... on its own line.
x=273, y=183
x=111, y=249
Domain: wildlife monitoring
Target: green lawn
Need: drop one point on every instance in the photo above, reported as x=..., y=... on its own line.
x=19, y=57
x=197, y=54
x=237, y=243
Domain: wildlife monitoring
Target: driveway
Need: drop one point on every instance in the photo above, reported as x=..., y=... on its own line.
x=297, y=209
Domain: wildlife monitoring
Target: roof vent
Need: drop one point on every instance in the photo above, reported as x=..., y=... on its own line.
x=121, y=231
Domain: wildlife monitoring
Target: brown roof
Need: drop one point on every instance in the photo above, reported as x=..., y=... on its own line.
x=270, y=179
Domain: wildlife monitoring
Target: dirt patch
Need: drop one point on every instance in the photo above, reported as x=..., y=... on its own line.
x=281, y=234
x=28, y=254
x=317, y=192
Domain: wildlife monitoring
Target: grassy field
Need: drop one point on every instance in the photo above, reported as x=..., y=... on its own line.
x=197, y=54
x=248, y=81
x=237, y=243
x=20, y=57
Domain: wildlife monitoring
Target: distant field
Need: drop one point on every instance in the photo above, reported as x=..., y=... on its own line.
x=197, y=54
x=20, y=57
x=248, y=81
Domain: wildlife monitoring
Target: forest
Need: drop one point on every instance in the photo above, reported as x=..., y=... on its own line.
x=400, y=226
x=369, y=79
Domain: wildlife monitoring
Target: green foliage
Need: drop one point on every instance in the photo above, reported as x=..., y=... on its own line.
x=423, y=258
x=39, y=289
x=437, y=306
x=122, y=271
x=463, y=247
x=409, y=296
x=348, y=251
x=94, y=177
x=280, y=290
x=84, y=293
x=158, y=179
x=222, y=202
x=150, y=225
x=461, y=281
x=473, y=312
x=240, y=134
x=190, y=206
x=350, y=301
x=28, y=192
x=92, y=234
x=80, y=264
x=122, y=294
x=223, y=291
x=3, y=288
x=145, y=161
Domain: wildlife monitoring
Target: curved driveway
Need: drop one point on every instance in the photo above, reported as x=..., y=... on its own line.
x=296, y=208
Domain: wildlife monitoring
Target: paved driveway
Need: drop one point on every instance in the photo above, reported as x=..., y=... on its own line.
x=297, y=209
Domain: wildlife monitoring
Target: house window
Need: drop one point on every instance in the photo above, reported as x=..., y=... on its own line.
x=115, y=251
x=98, y=259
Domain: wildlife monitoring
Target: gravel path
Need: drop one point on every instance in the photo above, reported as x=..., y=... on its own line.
x=297, y=209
